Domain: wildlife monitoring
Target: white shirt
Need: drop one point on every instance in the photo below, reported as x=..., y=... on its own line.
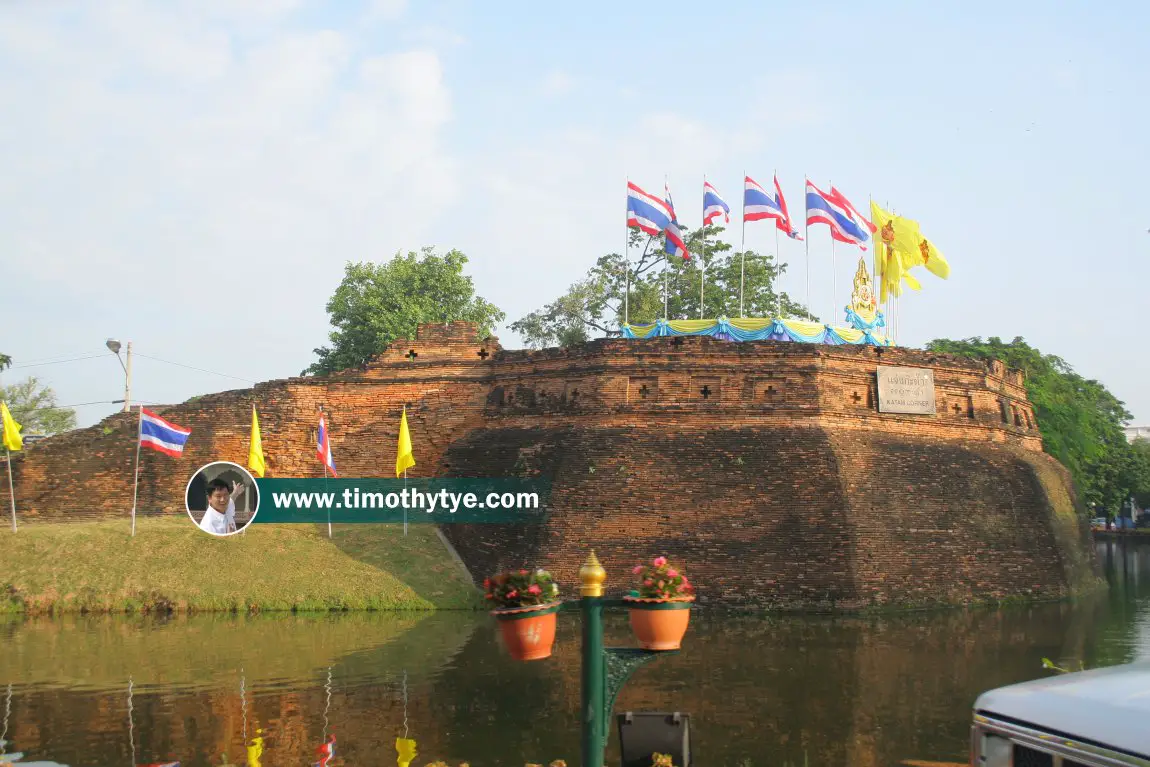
x=221, y=524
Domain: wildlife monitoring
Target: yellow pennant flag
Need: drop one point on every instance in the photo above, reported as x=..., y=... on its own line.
x=403, y=458
x=256, y=451
x=12, y=438
x=256, y=750
x=405, y=749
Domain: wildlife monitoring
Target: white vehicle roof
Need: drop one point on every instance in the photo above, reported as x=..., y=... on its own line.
x=1107, y=706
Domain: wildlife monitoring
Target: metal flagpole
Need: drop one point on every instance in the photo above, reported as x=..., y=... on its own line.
x=834, y=284
x=807, y=241
x=626, y=257
x=136, y=483
x=325, y=487
x=703, y=249
x=11, y=489
x=743, y=248
x=405, y=505
x=778, y=274
x=666, y=261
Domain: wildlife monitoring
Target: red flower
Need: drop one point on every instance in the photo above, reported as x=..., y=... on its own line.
x=512, y=594
x=534, y=589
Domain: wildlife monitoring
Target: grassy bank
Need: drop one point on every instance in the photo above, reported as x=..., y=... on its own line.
x=170, y=565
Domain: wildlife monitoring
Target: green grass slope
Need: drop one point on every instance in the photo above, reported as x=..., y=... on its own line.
x=171, y=565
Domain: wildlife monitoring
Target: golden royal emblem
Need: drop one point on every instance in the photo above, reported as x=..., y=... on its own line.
x=924, y=248
x=888, y=233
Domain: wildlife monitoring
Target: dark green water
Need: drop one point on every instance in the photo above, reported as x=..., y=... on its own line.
x=760, y=691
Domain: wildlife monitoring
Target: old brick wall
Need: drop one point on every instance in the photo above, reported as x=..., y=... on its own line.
x=765, y=467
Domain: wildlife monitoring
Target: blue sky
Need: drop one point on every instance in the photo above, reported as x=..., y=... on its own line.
x=193, y=176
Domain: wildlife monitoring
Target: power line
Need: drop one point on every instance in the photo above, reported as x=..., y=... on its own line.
x=189, y=367
x=57, y=362
x=52, y=357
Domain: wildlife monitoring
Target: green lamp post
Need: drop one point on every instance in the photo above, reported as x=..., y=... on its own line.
x=605, y=669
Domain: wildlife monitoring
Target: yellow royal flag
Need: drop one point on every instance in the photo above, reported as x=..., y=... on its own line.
x=403, y=458
x=256, y=451
x=900, y=239
x=405, y=749
x=12, y=438
x=933, y=259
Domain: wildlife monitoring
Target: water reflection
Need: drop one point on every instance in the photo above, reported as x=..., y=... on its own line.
x=364, y=689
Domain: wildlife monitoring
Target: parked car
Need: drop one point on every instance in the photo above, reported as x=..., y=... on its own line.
x=1081, y=719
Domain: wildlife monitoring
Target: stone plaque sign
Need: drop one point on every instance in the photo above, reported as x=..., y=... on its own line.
x=906, y=390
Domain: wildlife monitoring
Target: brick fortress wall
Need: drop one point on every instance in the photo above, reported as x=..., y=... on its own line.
x=765, y=468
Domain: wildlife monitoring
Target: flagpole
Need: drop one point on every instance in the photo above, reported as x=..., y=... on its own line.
x=405, y=507
x=743, y=248
x=325, y=490
x=778, y=274
x=626, y=256
x=703, y=253
x=666, y=260
x=136, y=482
x=807, y=243
x=11, y=489
x=834, y=284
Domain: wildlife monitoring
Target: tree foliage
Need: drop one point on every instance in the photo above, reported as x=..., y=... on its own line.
x=33, y=406
x=1080, y=420
x=597, y=304
x=5, y=362
x=378, y=303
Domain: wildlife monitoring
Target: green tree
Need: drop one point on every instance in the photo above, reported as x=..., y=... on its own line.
x=614, y=289
x=1139, y=472
x=378, y=303
x=1080, y=420
x=33, y=406
x=5, y=362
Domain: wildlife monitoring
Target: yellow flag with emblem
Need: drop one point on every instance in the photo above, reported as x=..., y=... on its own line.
x=256, y=451
x=403, y=458
x=897, y=241
x=12, y=438
x=933, y=259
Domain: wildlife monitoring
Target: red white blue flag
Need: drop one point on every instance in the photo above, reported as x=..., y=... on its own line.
x=675, y=246
x=162, y=435
x=758, y=205
x=646, y=211
x=323, y=447
x=836, y=213
x=714, y=205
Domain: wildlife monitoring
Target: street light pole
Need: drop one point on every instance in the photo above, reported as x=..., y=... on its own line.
x=114, y=346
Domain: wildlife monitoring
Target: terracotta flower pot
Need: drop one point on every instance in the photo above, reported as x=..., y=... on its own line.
x=528, y=632
x=659, y=624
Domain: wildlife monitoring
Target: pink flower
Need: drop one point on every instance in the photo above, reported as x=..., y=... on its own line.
x=512, y=594
x=648, y=582
x=638, y=569
x=660, y=561
x=534, y=589
x=672, y=573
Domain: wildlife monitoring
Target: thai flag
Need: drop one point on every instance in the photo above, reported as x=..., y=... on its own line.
x=323, y=447
x=675, y=244
x=785, y=223
x=646, y=211
x=838, y=197
x=825, y=209
x=162, y=435
x=714, y=205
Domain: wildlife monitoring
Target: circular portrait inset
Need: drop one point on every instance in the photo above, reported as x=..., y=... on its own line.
x=222, y=498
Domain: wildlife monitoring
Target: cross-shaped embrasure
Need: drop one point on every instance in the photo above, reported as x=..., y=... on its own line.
x=705, y=391
x=643, y=391
x=411, y=355
x=483, y=354
x=856, y=397
x=957, y=409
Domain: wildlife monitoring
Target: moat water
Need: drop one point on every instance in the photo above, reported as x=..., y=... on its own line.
x=760, y=691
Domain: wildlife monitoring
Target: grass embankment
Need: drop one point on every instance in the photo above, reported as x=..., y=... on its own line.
x=171, y=566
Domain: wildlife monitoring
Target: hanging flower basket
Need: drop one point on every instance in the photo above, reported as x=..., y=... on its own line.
x=527, y=609
x=660, y=607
